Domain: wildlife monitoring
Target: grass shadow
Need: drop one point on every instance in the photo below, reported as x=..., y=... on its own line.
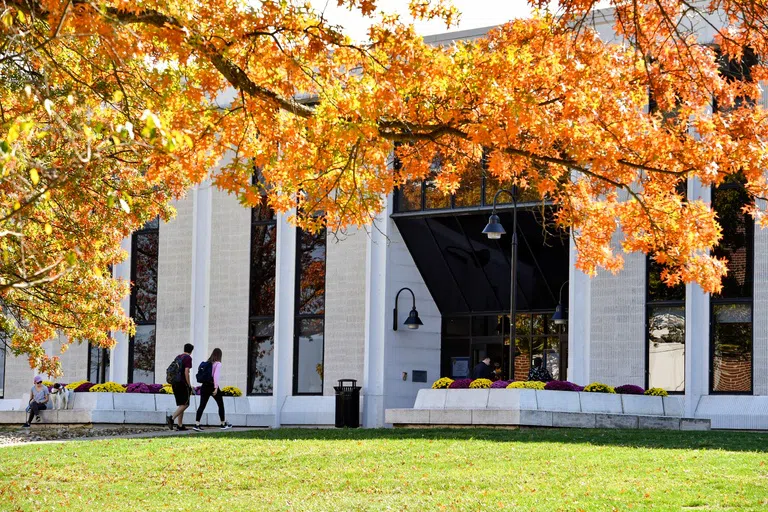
x=657, y=439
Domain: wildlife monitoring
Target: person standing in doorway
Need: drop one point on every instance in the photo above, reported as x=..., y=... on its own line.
x=38, y=400
x=182, y=388
x=483, y=370
x=208, y=377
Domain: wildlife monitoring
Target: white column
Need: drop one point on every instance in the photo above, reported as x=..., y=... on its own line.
x=285, y=285
x=118, y=358
x=201, y=273
x=376, y=311
x=696, y=327
x=579, y=311
x=759, y=306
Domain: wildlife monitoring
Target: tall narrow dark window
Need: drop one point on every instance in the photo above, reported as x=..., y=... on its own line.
x=98, y=364
x=309, y=330
x=144, y=260
x=665, y=332
x=261, y=315
x=731, y=309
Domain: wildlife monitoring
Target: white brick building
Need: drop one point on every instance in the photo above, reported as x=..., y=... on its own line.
x=294, y=313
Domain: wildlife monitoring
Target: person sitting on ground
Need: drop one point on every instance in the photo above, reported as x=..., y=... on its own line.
x=538, y=372
x=38, y=398
x=483, y=370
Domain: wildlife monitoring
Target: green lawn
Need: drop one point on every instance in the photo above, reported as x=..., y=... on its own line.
x=419, y=469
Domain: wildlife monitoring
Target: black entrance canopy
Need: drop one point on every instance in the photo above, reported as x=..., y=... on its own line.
x=468, y=273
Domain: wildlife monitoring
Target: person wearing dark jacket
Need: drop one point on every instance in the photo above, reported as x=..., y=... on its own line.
x=483, y=370
x=538, y=372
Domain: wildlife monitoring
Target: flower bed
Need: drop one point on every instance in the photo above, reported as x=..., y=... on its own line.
x=554, y=385
x=84, y=386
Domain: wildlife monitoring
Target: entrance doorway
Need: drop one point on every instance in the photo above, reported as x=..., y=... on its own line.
x=468, y=339
x=468, y=276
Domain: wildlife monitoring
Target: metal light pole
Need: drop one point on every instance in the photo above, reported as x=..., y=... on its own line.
x=494, y=230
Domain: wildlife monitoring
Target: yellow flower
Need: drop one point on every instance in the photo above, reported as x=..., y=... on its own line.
x=442, y=383
x=530, y=384
x=598, y=387
x=231, y=391
x=480, y=384
x=108, y=387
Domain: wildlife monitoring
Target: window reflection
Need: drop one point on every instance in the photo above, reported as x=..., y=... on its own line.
x=736, y=243
x=409, y=197
x=470, y=192
x=309, y=376
x=263, y=253
x=144, y=264
x=312, y=273
x=310, y=314
x=144, y=354
x=466, y=340
x=98, y=364
x=731, y=313
x=261, y=349
x=477, y=188
x=262, y=297
x=666, y=348
x=145, y=251
x=434, y=198
x=732, y=338
x=658, y=289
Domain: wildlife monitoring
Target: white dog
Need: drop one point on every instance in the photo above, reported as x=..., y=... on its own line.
x=60, y=396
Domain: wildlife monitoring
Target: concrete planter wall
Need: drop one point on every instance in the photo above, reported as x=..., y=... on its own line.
x=143, y=408
x=544, y=408
x=546, y=400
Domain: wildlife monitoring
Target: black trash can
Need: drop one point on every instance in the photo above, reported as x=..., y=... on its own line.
x=347, y=403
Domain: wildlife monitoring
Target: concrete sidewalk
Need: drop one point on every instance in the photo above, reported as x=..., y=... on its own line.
x=20, y=436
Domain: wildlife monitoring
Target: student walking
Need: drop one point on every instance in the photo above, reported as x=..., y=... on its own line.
x=178, y=378
x=38, y=398
x=208, y=377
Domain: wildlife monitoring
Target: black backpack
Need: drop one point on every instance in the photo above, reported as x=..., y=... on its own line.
x=205, y=373
x=173, y=373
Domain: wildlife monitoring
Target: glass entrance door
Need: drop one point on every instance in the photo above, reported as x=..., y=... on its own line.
x=493, y=348
x=467, y=340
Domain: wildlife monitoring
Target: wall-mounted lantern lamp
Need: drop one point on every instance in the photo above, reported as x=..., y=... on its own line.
x=413, y=321
x=560, y=317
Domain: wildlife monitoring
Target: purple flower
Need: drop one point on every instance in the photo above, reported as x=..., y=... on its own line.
x=137, y=387
x=154, y=388
x=562, y=385
x=500, y=384
x=460, y=384
x=630, y=389
x=84, y=387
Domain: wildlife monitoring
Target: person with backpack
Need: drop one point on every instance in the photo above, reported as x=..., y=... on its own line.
x=208, y=377
x=177, y=376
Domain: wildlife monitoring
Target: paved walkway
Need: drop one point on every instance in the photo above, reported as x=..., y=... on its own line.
x=26, y=436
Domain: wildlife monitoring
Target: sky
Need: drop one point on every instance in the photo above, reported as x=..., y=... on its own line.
x=474, y=14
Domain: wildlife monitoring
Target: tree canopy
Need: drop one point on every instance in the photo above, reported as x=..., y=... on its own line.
x=110, y=109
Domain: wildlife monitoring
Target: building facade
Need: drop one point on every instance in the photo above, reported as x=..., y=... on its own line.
x=294, y=312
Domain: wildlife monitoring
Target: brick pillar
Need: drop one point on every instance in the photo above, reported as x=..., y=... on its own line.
x=522, y=366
